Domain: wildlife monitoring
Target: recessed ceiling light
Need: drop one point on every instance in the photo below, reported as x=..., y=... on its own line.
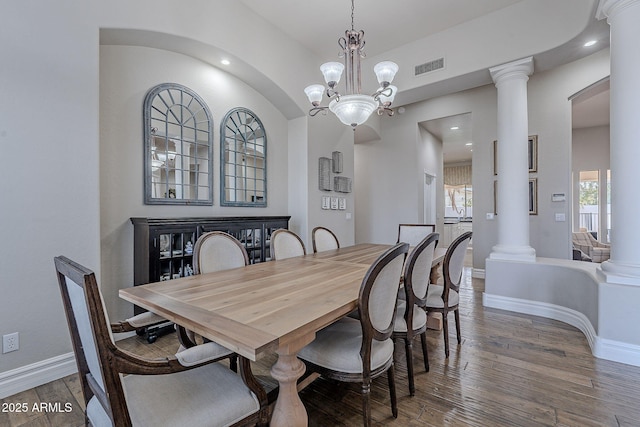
x=590, y=43
x=454, y=128
x=469, y=143
x=225, y=62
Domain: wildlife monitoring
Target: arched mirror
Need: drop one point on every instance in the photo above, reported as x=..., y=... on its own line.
x=178, y=135
x=243, y=160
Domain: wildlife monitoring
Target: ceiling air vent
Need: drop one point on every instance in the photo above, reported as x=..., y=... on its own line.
x=430, y=66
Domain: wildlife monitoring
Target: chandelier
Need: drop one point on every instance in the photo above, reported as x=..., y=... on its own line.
x=353, y=108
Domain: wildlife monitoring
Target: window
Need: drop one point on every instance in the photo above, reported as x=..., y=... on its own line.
x=458, y=201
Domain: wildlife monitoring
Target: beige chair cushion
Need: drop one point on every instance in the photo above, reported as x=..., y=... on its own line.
x=209, y=395
x=218, y=252
x=597, y=251
x=434, y=297
x=325, y=241
x=145, y=319
x=202, y=353
x=337, y=347
x=414, y=233
x=286, y=245
x=419, y=317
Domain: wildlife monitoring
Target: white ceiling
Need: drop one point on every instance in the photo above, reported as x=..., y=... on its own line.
x=318, y=24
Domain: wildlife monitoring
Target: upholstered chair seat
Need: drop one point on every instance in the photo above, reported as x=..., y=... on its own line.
x=211, y=394
x=419, y=318
x=337, y=347
x=434, y=297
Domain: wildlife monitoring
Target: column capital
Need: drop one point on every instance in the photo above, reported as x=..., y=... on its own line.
x=520, y=68
x=609, y=8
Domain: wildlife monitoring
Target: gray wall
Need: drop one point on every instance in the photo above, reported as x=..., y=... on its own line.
x=126, y=74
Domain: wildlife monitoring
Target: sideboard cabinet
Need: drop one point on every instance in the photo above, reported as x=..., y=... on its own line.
x=163, y=247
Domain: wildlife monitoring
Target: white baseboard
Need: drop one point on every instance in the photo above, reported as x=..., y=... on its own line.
x=601, y=348
x=36, y=374
x=477, y=273
x=39, y=373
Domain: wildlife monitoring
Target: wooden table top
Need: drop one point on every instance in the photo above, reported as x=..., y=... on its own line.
x=260, y=307
x=257, y=308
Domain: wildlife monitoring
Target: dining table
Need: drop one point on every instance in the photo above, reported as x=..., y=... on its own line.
x=275, y=306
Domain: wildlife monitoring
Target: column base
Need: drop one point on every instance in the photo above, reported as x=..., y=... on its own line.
x=513, y=253
x=620, y=273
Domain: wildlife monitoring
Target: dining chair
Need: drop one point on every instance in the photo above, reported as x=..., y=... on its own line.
x=353, y=350
x=215, y=251
x=411, y=318
x=324, y=239
x=414, y=233
x=122, y=389
x=286, y=244
x=445, y=298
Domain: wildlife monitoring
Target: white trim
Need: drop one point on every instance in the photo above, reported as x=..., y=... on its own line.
x=36, y=374
x=43, y=372
x=478, y=273
x=616, y=351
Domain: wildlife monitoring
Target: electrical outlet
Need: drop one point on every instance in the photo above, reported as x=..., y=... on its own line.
x=10, y=342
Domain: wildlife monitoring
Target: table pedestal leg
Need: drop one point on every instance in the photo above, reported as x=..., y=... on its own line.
x=289, y=410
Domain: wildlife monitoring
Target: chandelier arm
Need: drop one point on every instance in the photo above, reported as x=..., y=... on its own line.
x=332, y=93
x=384, y=92
x=382, y=110
x=315, y=110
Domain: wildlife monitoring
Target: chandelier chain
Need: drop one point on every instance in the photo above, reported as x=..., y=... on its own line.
x=352, y=8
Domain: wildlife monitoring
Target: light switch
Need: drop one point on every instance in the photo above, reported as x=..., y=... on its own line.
x=490, y=216
x=348, y=215
x=560, y=217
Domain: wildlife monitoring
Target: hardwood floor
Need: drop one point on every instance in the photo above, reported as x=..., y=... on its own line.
x=511, y=370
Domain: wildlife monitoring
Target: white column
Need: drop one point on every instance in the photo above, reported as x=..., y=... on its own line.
x=512, y=161
x=624, y=18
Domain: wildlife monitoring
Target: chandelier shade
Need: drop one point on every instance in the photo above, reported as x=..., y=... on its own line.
x=314, y=93
x=385, y=71
x=332, y=71
x=353, y=108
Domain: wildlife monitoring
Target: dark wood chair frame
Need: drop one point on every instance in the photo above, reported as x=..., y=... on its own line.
x=115, y=361
x=284, y=231
x=313, y=237
x=413, y=301
x=369, y=333
x=448, y=285
x=185, y=337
